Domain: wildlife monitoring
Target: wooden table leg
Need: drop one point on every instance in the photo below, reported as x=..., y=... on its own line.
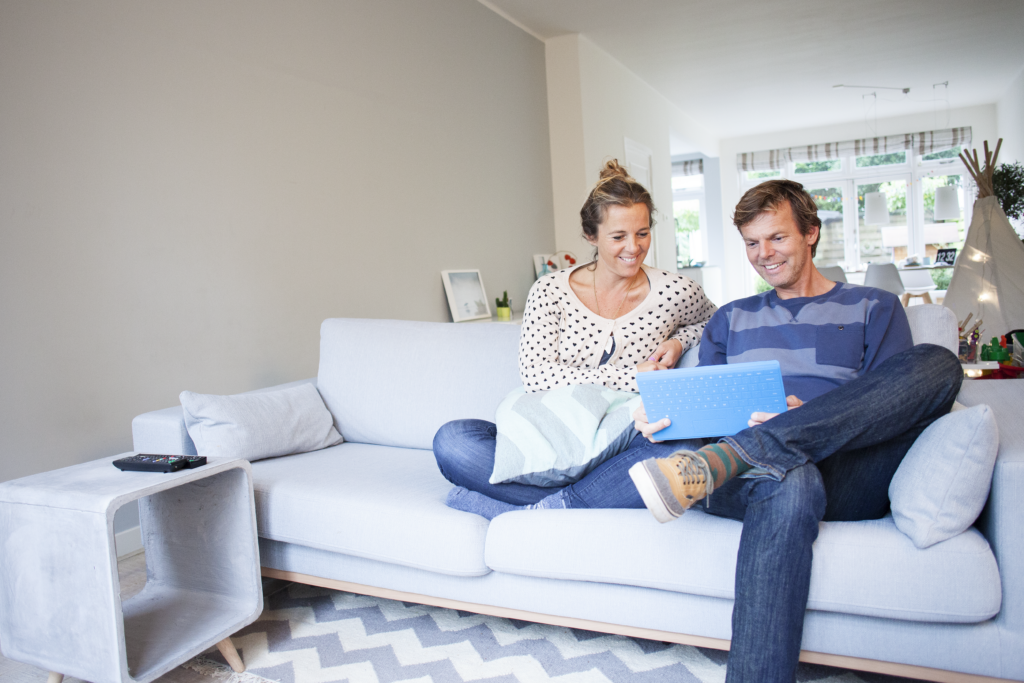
x=55, y=677
x=227, y=648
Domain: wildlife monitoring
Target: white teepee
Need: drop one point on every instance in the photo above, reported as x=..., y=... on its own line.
x=988, y=279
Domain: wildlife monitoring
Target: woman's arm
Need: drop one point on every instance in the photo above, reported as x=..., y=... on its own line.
x=694, y=316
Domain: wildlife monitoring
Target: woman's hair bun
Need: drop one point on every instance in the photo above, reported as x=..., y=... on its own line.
x=612, y=169
x=615, y=187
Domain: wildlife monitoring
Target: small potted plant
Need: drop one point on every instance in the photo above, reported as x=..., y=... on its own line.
x=504, y=308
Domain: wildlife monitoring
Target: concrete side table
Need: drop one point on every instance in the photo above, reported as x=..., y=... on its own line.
x=60, y=601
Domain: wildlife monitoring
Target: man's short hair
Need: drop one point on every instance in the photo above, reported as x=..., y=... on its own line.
x=769, y=195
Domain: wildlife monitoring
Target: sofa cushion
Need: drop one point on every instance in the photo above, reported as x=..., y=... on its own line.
x=933, y=324
x=259, y=424
x=370, y=501
x=943, y=482
x=395, y=382
x=866, y=568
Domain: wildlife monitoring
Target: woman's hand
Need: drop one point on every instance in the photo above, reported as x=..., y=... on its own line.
x=761, y=418
x=667, y=354
x=642, y=426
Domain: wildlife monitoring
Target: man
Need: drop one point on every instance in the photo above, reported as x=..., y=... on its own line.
x=859, y=395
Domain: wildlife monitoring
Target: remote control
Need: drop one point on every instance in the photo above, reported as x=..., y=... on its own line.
x=194, y=461
x=152, y=463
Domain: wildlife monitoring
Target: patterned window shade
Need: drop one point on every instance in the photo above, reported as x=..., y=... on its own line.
x=940, y=140
x=691, y=167
x=927, y=142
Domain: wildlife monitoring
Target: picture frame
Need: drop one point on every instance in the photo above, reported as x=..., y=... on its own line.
x=467, y=299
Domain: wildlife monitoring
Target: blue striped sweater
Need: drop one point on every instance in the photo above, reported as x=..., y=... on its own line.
x=821, y=342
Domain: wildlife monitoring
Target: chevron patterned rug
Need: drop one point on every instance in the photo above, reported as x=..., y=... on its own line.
x=314, y=635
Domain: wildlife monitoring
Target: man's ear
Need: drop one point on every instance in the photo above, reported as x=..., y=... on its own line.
x=816, y=234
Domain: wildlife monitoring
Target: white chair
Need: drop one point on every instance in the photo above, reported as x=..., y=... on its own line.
x=833, y=273
x=884, y=276
x=917, y=282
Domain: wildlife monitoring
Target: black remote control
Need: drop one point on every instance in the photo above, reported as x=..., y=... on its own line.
x=194, y=461
x=152, y=463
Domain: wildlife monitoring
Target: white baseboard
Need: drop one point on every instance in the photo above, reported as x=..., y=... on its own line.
x=128, y=541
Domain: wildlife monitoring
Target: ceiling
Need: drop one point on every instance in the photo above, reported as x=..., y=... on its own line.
x=741, y=67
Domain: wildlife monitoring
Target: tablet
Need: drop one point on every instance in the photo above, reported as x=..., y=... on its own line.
x=714, y=400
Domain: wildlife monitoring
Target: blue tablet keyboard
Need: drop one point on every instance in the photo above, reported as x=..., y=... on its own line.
x=716, y=400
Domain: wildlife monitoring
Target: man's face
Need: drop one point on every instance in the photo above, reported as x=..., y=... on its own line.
x=777, y=250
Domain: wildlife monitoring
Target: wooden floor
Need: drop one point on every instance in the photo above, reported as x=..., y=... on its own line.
x=132, y=572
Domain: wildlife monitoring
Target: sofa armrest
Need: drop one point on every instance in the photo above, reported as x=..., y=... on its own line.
x=163, y=432
x=1000, y=521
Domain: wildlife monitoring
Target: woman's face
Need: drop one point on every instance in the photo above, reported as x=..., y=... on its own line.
x=623, y=239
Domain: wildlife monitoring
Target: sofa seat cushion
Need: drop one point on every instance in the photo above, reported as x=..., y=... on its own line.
x=377, y=502
x=865, y=568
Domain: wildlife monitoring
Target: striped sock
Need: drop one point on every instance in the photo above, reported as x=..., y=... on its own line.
x=725, y=463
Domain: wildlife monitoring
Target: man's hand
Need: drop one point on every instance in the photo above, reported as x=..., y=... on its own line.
x=642, y=426
x=760, y=418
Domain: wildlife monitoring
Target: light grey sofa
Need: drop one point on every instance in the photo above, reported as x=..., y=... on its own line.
x=368, y=516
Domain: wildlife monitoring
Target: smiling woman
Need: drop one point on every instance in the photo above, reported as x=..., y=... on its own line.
x=600, y=324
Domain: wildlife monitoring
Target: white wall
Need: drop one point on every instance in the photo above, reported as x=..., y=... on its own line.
x=187, y=189
x=736, y=269
x=1010, y=121
x=598, y=103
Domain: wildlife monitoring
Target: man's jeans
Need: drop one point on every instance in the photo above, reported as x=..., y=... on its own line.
x=831, y=459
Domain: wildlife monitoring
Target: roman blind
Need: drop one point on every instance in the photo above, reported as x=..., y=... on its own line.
x=690, y=167
x=925, y=142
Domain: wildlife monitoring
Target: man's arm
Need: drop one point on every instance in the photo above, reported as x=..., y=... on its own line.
x=714, y=343
x=886, y=332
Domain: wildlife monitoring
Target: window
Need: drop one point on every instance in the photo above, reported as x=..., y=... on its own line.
x=946, y=232
x=882, y=237
x=688, y=211
x=903, y=186
x=882, y=160
x=759, y=175
x=831, y=249
x=817, y=166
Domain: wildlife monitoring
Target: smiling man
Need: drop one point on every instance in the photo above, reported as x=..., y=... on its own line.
x=859, y=394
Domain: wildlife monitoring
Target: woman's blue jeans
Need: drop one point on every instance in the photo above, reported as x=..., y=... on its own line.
x=831, y=459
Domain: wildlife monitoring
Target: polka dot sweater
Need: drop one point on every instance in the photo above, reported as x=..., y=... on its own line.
x=562, y=341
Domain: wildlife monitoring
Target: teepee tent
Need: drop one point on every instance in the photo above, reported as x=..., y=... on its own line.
x=988, y=280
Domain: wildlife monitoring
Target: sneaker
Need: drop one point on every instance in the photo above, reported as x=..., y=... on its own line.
x=670, y=486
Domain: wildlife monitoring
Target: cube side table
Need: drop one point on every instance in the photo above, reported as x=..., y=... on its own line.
x=60, y=602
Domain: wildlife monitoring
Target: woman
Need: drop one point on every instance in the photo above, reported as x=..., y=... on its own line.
x=600, y=323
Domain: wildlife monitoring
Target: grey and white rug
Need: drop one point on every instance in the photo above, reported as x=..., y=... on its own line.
x=314, y=635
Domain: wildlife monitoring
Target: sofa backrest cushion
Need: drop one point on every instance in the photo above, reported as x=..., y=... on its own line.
x=395, y=382
x=933, y=324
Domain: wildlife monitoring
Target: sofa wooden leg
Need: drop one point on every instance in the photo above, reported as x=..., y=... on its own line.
x=227, y=648
x=55, y=677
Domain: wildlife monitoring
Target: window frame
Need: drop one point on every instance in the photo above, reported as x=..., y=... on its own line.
x=914, y=169
x=699, y=194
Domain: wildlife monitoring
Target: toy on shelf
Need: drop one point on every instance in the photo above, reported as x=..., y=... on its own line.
x=968, y=351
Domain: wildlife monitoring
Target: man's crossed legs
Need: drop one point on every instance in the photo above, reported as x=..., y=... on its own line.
x=831, y=459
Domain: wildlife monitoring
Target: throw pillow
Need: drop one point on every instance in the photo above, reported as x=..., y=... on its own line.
x=556, y=437
x=943, y=482
x=259, y=425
